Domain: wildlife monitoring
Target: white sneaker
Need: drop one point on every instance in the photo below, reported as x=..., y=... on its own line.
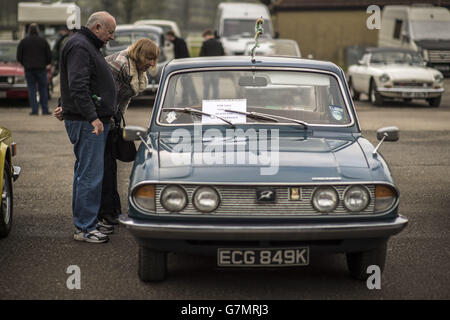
x=93, y=236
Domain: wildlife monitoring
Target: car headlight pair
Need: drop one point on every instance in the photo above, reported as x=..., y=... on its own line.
x=356, y=198
x=174, y=198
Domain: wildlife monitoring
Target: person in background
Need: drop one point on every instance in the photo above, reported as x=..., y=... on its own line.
x=181, y=51
x=129, y=69
x=88, y=101
x=211, y=47
x=34, y=54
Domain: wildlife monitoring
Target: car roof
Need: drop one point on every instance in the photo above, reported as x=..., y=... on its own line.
x=132, y=27
x=246, y=61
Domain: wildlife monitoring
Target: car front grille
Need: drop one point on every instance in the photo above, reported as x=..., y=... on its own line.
x=409, y=84
x=4, y=79
x=439, y=56
x=241, y=201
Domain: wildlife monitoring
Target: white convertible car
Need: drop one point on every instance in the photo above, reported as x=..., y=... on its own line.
x=390, y=73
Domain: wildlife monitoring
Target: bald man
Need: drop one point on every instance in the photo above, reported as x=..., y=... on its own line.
x=88, y=100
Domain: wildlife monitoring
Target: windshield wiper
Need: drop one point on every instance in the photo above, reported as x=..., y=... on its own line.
x=190, y=110
x=269, y=117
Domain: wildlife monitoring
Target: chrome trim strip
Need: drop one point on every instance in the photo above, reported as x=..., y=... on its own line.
x=251, y=68
x=245, y=231
x=415, y=90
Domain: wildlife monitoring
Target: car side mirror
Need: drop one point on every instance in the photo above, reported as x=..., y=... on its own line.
x=385, y=134
x=132, y=133
x=388, y=133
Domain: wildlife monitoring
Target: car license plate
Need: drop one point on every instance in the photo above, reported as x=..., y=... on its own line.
x=2, y=94
x=269, y=257
x=414, y=94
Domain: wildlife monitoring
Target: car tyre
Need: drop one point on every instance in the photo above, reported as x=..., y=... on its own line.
x=358, y=262
x=6, y=208
x=355, y=94
x=434, y=102
x=375, y=97
x=152, y=264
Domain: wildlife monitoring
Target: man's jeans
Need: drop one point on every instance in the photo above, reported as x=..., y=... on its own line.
x=88, y=172
x=38, y=76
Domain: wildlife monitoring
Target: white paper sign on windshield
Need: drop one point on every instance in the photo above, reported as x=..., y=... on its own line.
x=218, y=107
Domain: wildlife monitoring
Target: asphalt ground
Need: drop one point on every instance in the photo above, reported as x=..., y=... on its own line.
x=35, y=257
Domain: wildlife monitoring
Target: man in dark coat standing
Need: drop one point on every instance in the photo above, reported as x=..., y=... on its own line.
x=88, y=101
x=34, y=53
x=181, y=51
x=211, y=47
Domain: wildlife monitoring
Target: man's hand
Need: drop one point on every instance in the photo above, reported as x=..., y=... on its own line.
x=98, y=127
x=58, y=114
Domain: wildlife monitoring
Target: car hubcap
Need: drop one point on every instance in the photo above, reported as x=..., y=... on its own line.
x=5, y=202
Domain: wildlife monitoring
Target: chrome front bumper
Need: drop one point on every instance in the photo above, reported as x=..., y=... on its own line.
x=246, y=231
x=414, y=93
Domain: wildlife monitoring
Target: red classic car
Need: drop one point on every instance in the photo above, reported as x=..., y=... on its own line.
x=13, y=84
x=12, y=75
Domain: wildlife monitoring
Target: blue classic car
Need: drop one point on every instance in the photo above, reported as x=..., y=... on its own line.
x=260, y=163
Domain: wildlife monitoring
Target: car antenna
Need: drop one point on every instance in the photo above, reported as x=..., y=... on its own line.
x=259, y=30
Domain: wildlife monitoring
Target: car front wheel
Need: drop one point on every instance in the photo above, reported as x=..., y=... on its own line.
x=375, y=96
x=6, y=209
x=434, y=102
x=358, y=262
x=152, y=264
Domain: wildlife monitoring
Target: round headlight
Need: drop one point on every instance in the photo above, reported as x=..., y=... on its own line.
x=356, y=198
x=206, y=199
x=438, y=77
x=173, y=198
x=384, y=77
x=325, y=199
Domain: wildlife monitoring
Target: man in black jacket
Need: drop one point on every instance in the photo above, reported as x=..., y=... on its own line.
x=211, y=47
x=88, y=100
x=33, y=52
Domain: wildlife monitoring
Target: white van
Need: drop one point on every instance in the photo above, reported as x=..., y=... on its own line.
x=423, y=28
x=235, y=25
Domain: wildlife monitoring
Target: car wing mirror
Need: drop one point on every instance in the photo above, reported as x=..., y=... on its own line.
x=132, y=133
x=386, y=134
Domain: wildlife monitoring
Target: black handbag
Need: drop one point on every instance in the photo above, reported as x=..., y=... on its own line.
x=121, y=150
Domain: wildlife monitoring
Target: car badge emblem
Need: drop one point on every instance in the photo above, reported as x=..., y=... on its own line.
x=295, y=194
x=265, y=195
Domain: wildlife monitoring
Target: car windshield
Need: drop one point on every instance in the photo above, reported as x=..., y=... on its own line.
x=8, y=52
x=310, y=97
x=397, y=57
x=243, y=28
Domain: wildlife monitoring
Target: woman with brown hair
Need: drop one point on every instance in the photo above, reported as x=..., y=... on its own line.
x=129, y=69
